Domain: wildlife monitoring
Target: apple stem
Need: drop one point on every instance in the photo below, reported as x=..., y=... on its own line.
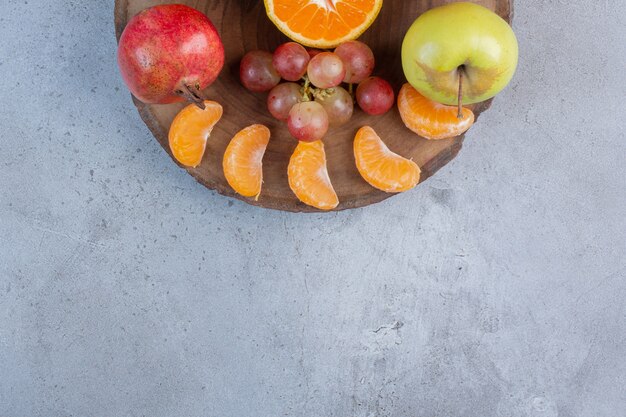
x=192, y=94
x=460, y=97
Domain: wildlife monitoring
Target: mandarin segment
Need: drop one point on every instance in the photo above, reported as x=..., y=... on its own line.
x=243, y=160
x=430, y=119
x=190, y=131
x=351, y=14
x=337, y=26
x=315, y=24
x=323, y=24
x=308, y=176
x=382, y=168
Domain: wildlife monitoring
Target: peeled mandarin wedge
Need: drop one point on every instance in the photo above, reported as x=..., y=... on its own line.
x=430, y=119
x=382, y=168
x=308, y=176
x=322, y=23
x=243, y=160
x=190, y=131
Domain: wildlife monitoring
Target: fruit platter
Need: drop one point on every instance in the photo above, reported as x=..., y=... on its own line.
x=311, y=105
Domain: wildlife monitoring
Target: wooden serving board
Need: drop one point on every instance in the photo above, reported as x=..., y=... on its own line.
x=244, y=26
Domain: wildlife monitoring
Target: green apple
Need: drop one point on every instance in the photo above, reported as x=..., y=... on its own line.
x=459, y=44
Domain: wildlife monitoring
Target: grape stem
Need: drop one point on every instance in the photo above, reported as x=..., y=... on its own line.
x=322, y=93
x=459, y=115
x=305, y=89
x=309, y=93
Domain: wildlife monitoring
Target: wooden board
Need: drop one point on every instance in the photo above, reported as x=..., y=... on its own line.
x=244, y=26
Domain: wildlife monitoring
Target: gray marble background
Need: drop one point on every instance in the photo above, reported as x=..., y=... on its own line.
x=497, y=288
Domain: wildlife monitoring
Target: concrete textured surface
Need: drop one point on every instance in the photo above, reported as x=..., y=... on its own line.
x=497, y=288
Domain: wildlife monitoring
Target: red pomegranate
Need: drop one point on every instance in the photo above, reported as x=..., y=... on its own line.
x=170, y=53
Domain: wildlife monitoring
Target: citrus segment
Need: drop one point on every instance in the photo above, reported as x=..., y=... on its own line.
x=243, y=160
x=308, y=176
x=380, y=167
x=190, y=130
x=430, y=119
x=323, y=23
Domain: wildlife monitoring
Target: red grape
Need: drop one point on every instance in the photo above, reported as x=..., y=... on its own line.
x=291, y=60
x=312, y=52
x=282, y=98
x=308, y=121
x=375, y=96
x=257, y=72
x=358, y=59
x=326, y=70
x=338, y=104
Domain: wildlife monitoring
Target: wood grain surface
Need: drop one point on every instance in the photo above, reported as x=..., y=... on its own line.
x=244, y=26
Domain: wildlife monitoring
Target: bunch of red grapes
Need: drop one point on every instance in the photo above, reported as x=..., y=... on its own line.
x=313, y=98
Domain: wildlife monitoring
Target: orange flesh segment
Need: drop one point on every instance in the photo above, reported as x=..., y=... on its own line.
x=190, y=131
x=430, y=119
x=323, y=23
x=308, y=176
x=243, y=160
x=382, y=168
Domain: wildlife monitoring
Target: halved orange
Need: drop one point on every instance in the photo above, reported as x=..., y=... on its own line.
x=323, y=23
x=190, y=131
x=430, y=119
x=382, y=168
x=308, y=176
x=243, y=160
